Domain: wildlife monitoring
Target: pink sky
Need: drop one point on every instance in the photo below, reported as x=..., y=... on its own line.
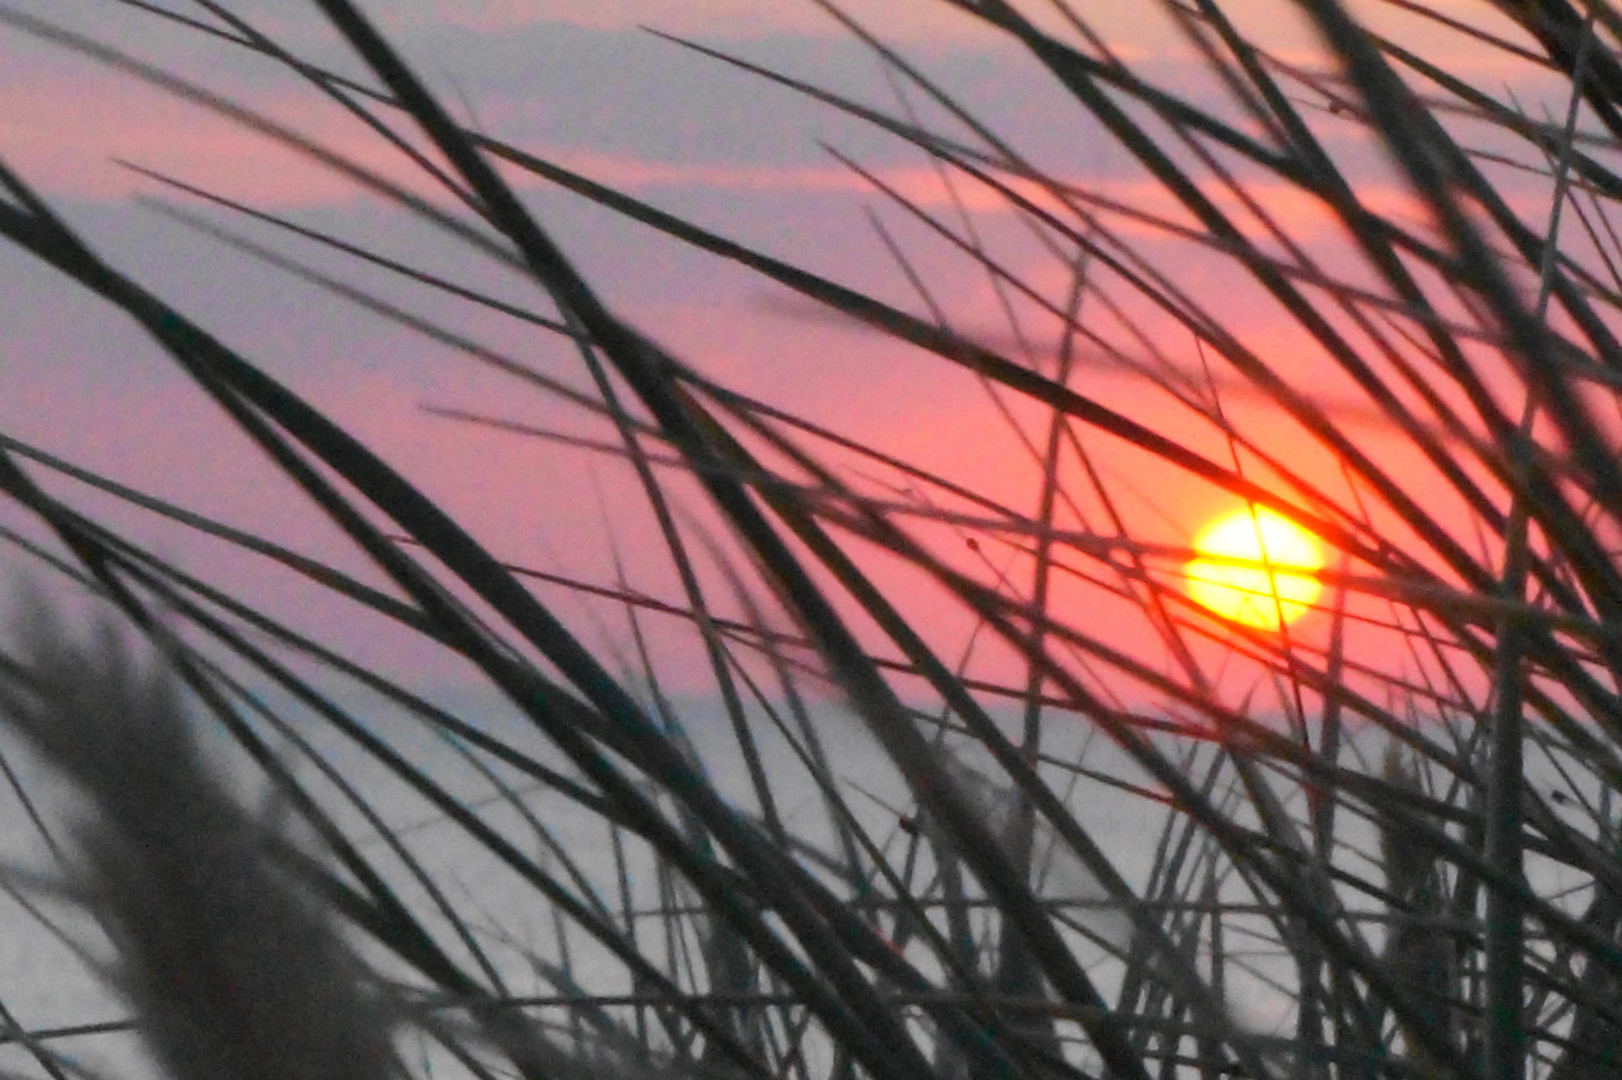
x=578, y=83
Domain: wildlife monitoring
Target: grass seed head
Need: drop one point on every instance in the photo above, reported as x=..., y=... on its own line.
x=233, y=972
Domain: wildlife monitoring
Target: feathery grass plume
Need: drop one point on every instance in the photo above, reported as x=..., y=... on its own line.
x=1003, y=810
x=233, y=973
x=1594, y=1049
x=1418, y=952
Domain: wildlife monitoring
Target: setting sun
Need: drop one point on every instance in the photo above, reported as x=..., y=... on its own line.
x=1243, y=592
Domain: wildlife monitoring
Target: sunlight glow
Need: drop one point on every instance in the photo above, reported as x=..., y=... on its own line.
x=1256, y=594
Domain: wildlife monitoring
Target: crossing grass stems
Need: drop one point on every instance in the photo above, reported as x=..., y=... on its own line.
x=1365, y=848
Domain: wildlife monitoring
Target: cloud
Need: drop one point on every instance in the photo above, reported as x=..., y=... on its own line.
x=66, y=148
x=715, y=20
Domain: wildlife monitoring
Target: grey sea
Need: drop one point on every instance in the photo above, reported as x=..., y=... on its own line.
x=49, y=949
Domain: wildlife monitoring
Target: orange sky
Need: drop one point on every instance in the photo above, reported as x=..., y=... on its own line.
x=576, y=82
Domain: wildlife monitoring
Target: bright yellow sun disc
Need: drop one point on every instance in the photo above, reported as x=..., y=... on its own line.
x=1242, y=574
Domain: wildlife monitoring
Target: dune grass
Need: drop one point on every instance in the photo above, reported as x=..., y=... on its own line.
x=1397, y=834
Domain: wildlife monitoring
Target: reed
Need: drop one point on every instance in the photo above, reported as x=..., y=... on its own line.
x=1395, y=831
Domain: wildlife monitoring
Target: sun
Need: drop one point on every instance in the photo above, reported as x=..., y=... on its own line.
x=1258, y=593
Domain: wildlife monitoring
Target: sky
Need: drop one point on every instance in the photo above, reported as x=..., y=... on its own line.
x=582, y=84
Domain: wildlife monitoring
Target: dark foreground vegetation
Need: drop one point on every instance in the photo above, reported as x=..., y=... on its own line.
x=1394, y=853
